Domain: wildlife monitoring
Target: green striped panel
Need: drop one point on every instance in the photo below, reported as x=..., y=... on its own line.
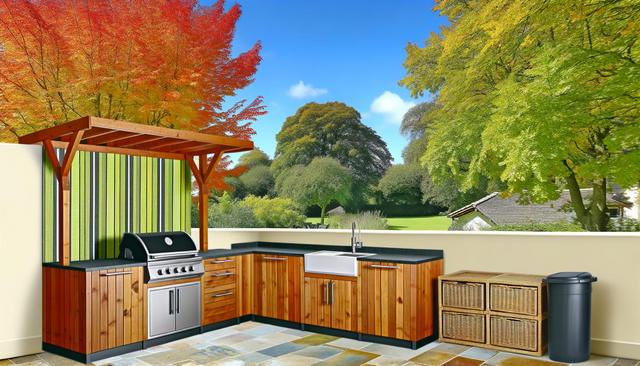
x=112, y=194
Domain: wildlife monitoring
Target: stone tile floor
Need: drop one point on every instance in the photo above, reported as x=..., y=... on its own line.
x=253, y=343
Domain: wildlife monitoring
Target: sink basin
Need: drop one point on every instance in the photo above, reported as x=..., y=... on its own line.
x=332, y=262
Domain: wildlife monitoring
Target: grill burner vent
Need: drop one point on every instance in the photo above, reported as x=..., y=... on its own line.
x=169, y=255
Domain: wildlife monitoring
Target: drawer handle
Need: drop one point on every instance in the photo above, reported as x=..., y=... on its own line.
x=275, y=258
x=221, y=261
x=383, y=266
x=222, y=274
x=223, y=294
x=114, y=274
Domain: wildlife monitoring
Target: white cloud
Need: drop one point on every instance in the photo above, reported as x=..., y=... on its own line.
x=391, y=105
x=303, y=91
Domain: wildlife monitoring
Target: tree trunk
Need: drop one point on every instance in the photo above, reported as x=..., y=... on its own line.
x=595, y=217
x=323, y=210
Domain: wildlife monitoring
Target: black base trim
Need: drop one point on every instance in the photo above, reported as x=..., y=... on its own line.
x=278, y=322
x=398, y=342
x=88, y=358
x=331, y=331
x=171, y=337
x=222, y=324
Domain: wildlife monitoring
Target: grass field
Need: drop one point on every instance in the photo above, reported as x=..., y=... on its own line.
x=410, y=223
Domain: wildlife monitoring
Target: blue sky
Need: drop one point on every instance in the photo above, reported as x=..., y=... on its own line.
x=349, y=51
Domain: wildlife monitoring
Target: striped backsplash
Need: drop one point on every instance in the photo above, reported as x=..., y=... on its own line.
x=112, y=194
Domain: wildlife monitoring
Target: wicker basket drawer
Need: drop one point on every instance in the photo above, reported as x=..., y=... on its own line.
x=513, y=299
x=463, y=326
x=514, y=333
x=465, y=295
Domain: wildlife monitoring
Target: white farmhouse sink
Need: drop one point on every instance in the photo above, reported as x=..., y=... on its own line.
x=331, y=262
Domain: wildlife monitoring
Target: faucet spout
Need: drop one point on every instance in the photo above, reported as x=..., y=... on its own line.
x=356, y=242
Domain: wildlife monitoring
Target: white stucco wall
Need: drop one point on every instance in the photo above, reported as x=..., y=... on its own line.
x=20, y=250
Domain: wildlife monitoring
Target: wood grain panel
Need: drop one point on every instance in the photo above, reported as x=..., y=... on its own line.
x=345, y=305
x=317, y=311
x=245, y=286
x=278, y=286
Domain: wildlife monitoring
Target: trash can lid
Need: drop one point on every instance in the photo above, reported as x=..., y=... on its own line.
x=571, y=277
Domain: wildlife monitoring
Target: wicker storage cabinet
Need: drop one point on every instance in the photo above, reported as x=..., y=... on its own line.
x=468, y=327
x=463, y=295
x=503, y=311
x=514, y=299
x=513, y=333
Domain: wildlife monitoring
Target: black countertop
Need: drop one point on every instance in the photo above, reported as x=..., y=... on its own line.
x=97, y=264
x=397, y=255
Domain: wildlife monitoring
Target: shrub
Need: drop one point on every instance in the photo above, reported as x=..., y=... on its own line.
x=554, y=226
x=230, y=213
x=625, y=224
x=368, y=220
x=275, y=212
x=257, y=181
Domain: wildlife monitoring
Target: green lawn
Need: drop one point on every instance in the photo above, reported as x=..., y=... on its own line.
x=410, y=223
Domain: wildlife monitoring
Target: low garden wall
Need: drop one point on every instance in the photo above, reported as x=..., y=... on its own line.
x=613, y=257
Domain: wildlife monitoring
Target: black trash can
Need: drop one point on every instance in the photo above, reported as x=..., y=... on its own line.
x=569, y=312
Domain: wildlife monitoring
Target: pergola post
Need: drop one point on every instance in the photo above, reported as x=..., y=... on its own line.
x=62, y=170
x=203, y=173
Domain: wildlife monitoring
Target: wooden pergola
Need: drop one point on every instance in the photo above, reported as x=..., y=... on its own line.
x=119, y=137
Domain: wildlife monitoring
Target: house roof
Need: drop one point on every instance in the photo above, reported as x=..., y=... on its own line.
x=509, y=211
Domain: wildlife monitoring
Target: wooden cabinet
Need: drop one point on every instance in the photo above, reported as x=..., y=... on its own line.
x=88, y=312
x=398, y=299
x=331, y=302
x=278, y=286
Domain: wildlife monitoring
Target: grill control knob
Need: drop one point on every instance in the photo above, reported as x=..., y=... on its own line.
x=183, y=269
x=190, y=268
x=167, y=271
x=160, y=272
x=175, y=270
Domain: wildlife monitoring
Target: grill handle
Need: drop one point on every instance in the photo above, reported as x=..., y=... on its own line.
x=170, y=302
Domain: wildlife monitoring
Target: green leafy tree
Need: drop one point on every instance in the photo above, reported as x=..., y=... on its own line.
x=275, y=212
x=539, y=95
x=257, y=181
x=230, y=213
x=333, y=130
x=321, y=182
x=401, y=184
x=254, y=158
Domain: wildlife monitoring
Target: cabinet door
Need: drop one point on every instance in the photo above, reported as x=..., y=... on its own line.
x=317, y=310
x=187, y=306
x=278, y=285
x=115, y=307
x=162, y=317
x=343, y=295
x=389, y=298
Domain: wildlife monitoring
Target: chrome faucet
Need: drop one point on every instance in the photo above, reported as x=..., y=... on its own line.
x=356, y=240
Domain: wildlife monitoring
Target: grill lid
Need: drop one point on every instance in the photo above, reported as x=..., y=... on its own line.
x=147, y=246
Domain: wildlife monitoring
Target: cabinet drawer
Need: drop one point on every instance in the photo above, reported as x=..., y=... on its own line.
x=513, y=299
x=214, y=264
x=464, y=295
x=514, y=333
x=220, y=277
x=463, y=326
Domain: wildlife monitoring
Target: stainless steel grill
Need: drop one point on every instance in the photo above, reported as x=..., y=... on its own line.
x=169, y=255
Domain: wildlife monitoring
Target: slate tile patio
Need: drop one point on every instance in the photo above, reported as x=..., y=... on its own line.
x=259, y=344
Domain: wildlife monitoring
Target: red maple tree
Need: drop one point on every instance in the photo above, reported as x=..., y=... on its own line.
x=163, y=62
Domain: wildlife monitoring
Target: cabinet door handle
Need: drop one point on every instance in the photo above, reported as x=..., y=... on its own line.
x=331, y=294
x=383, y=266
x=218, y=261
x=326, y=293
x=222, y=274
x=114, y=274
x=170, y=301
x=177, y=301
x=222, y=294
x=275, y=258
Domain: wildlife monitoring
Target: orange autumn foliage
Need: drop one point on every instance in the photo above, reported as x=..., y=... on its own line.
x=163, y=62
